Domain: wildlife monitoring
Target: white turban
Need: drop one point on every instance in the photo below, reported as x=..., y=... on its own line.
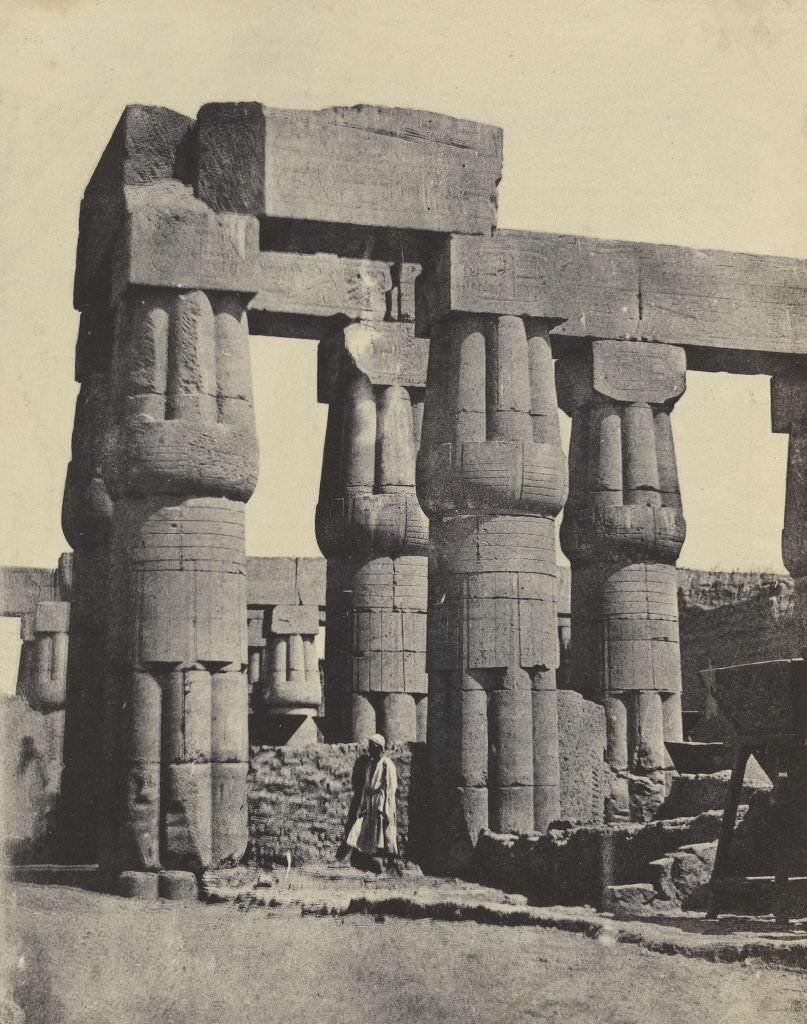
x=378, y=740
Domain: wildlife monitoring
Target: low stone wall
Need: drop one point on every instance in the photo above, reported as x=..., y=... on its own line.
x=30, y=778
x=575, y=866
x=299, y=798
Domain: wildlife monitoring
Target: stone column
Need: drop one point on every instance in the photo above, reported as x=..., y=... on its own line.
x=789, y=416
x=373, y=533
x=256, y=651
x=27, y=663
x=291, y=690
x=51, y=629
x=622, y=532
x=86, y=522
x=491, y=477
x=181, y=463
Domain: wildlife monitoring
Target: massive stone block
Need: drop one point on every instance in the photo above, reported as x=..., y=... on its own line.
x=149, y=144
x=491, y=477
x=733, y=311
x=372, y=530
x=376, y=166
x=622, y=531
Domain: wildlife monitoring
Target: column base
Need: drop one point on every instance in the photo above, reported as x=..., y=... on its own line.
x=140, y=885
x=178, y=885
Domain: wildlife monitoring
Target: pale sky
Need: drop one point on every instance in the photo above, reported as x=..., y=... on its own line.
x=655, y=120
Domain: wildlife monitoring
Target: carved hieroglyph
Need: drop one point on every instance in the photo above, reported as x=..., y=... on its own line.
x=491, y=477
x=622, y=530
x=373, y=532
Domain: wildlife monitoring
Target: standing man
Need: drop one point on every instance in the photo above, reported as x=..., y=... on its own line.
x=374, y=832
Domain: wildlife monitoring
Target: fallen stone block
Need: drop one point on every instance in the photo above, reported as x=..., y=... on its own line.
x=628, y=899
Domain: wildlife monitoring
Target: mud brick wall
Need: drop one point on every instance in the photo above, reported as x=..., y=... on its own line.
x=299, y=800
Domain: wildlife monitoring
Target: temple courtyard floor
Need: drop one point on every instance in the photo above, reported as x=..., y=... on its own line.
x=324, y=946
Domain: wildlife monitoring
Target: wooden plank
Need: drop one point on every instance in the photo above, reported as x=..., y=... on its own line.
x=364, y=165
x=599, y=288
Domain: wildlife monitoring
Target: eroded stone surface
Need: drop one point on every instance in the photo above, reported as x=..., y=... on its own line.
x=371, y=527
x=379, y=166
x=622, y=531
x=491, y=478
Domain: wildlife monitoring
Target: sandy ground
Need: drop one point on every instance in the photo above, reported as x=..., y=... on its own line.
x=88, y=958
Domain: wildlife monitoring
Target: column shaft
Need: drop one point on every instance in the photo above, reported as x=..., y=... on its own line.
x=371, y=529
x=179, y=473
x=491, y=477
x=622, y=532
x=86, y=522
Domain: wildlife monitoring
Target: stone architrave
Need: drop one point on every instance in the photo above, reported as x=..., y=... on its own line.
x=180, y=463
x=375, y=166
x=87, y=522
x=491, y=476
x=622, y=531
x=789, y=416
x=373, y=532
x=732, y=311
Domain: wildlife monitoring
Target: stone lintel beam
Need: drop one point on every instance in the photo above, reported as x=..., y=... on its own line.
x=385, y=353
x=148, y=144
x=286, y=581
x=300, y=289
x=365, y=165
x=288, y=619
x=732, y=311
x=22, y=588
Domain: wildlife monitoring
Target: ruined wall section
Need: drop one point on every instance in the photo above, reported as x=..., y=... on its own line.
x=732, y=619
